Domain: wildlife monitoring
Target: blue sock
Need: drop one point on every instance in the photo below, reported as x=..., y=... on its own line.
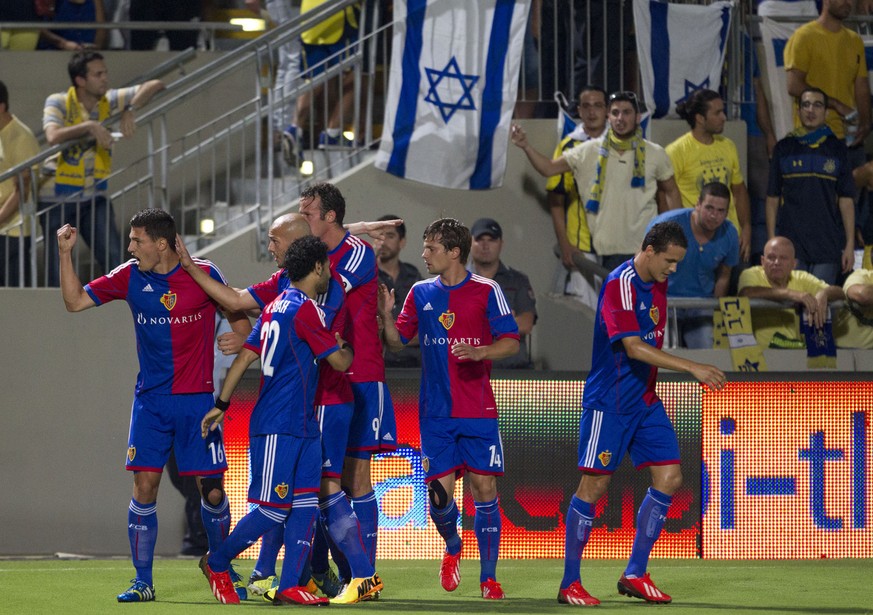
x=580, y=516
x=650, y=522
x=271, y=542
x=299, y=528
x=446, y=521
x=246, y=533
x=343, y=527
x=487, y=525
x=318, y=559
x=216, y=521
x=367, y=510
x=142, y=531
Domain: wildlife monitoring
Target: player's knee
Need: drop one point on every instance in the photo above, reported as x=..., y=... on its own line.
x=439, y=499
x=212, y=490
x=669, y=482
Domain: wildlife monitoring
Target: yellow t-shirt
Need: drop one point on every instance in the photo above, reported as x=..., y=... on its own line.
x=767, y=322
x=17, y=144
x=329, y=30
x=849, y=331
x=696, y=164
x=832, y=61
x=577, y=225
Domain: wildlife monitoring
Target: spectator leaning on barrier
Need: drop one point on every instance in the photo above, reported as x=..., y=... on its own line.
x=713, y=250
x=777, y=279
x=81, y=170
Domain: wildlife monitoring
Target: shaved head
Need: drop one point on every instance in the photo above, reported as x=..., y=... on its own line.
x=284, y=231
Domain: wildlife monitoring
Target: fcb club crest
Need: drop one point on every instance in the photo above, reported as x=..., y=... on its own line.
x=131, y=453
x=654, y=314
x=168, y=300
x=447, y=319
x=281, y=490
x=425, y=463
x=605, y=457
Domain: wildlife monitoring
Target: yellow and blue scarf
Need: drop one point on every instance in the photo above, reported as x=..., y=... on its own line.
x=812, y=138
x=638, y=180
x=70, y=174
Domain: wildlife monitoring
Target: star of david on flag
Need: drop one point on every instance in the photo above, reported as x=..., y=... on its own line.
x=451, y=92
x=451, y=73
x=681, y=49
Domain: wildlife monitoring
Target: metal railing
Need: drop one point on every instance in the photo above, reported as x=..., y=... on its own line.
x=225, y=170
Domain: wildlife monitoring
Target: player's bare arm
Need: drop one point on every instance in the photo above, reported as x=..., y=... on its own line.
x=213, y=418
x=638, y=350
x=500, y=349
x=233, y=299
x=341, y=359
x=75, y=297
x=375, y=229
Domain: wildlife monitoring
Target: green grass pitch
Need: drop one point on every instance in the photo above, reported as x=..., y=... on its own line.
x=811, y=587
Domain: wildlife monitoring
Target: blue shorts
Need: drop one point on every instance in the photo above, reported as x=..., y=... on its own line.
x=373, y=428
x=283, y=466
x=456, y=445
x=161, y=422
x=335, y=421
x=604, y=438
x=315, y=59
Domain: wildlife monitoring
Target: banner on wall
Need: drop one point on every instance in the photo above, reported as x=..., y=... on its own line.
x=451, y=91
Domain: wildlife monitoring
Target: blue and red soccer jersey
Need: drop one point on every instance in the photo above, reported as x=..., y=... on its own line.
x=627, y=307
x=174, y=321
x=333, y=386
x=289, y=335
x=353, y=264
x=473, y=312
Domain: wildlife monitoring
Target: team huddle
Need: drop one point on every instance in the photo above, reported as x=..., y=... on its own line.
x=323, y=408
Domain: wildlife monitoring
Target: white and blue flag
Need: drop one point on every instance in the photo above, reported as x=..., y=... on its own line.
x=452, y=88
x=681, y=49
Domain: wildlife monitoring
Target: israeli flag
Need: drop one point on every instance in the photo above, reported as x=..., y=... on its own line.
x=681, y=49
x=452, y=88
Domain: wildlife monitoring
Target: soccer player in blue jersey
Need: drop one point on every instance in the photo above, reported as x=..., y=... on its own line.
x=334, y=403
x=284, y=435
x=463, y=323
x=174, y=322
x=622, y=413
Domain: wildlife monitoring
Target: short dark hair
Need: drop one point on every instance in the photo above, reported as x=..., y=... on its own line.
x=591, y=88
x=401, y=228
x=805, y=90
x=451, y=234
x=331, y=199
x=302, y=255
x=157, y=224
x=4, y=95
x=664, y=234
x=625, y=96
x=697, y=103
x=715, y=189
x=78, y=65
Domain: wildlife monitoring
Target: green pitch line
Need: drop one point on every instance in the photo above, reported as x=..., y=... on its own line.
x=808, y=587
